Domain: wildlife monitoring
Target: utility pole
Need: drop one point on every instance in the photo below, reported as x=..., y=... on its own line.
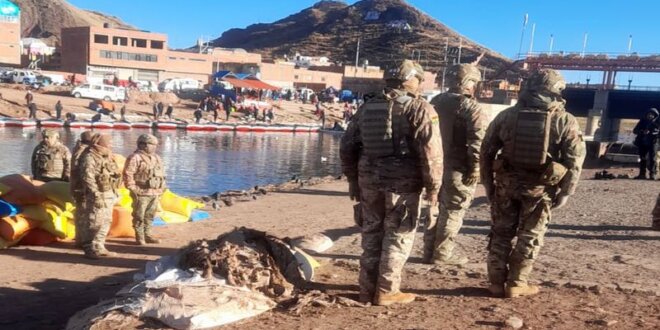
x=629, y=44
x=444, y=70
x=584, y=43
x=552, y=42
x=531, y=42
x=522, y=35
x=357, y=54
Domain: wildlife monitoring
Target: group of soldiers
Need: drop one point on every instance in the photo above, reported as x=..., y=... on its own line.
x=398, y=145
x=95, y=178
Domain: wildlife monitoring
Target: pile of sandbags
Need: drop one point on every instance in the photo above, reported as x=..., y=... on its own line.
x=37, y=213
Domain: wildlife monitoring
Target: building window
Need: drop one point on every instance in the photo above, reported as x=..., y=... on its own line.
x=157, y=44
x=100, y=39
x=322, y=78
x=141, y=43
x=172, y=58
x=120, y=41
x=295, y=77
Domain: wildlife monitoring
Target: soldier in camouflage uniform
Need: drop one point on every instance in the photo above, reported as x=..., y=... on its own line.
x=656, y=215
x=50, y=159
x=541, y=154
x=145, y=178
x=100, y=180
x=76, y=188
x=462, y=126
x=390, y=152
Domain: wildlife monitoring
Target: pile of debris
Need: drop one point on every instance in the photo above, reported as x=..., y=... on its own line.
x=605, y=175
x=143, y=98
x=209, y=283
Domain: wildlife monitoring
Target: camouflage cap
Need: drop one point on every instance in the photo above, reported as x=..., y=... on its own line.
x=459, y=74
x=405, y=71
x=50, y=133
x=545, y=81
x=147, y=139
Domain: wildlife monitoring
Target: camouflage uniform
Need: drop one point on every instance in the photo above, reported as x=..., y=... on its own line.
x=462, y=126
x=392, y=149
x=51, y=162
x=538, y=168
x=100, y=181
x=656, y=215
x=76, y=188
x=145, y=178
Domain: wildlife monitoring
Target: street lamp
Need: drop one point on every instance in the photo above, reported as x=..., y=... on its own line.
x=629, y=82
x=588, y=80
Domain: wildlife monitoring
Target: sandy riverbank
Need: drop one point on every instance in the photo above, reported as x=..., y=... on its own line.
x=599, y=266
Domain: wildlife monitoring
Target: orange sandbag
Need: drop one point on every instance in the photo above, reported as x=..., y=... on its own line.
x=23, y=190
x=38, y=237
x=11, y=228
x=122, y=223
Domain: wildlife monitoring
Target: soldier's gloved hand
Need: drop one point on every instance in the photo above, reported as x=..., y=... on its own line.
x=560, y=201
x=471, y=178
x=354, y=190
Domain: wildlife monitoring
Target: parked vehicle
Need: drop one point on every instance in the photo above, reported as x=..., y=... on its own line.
x=223, y=88
x=179, y=84
x=55, y=79
x=99, y=92
x=23, y=77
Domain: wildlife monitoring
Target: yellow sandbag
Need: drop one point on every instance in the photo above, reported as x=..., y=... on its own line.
x=53, y=219
x=23, y=190
x=124, y=199
x=122, y=223
x=171, y=217
x=177, y=204
x=58, y=192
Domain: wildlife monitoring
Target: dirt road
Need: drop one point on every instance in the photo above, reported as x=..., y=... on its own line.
x=599, y=267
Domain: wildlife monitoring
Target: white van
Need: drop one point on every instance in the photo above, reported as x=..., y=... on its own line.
x=99, y=92
x=178, y=84
x=23, y=77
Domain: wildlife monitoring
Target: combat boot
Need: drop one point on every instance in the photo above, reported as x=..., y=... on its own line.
x=520, y=291
x=366, y=297
x=452, y=260
x=139, y=238
x=151, y=240
x=387, y=299
x=105, y=253
x=497, y=290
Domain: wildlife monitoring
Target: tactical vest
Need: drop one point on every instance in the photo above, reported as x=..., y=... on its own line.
x=50, y=162
x=152, y=177
x=384, y=127
x=531, y=138
x=109, y=178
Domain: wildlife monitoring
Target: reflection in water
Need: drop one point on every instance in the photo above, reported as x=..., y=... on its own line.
x=203, y=163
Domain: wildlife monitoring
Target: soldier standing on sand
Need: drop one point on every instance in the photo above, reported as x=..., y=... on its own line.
x=50, y=159
x=462, y=126
x=542, y=151
x=76, y=188
x=100, y=180
x=390, y=152
x=145, y=179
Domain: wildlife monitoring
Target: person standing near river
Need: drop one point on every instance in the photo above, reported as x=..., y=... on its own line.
x=100, y=180
x=50, y=159
x=58, y=110
x=144, y=177
x=389, y=153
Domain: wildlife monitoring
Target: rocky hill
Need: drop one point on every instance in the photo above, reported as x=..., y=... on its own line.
x=388, y=30
x=45, y=18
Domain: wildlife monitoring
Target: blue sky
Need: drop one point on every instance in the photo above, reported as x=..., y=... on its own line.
x=495, y=24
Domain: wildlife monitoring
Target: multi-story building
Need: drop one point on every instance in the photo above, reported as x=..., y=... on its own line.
x=10, y=33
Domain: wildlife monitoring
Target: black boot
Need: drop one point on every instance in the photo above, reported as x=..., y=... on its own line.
x=642, y=170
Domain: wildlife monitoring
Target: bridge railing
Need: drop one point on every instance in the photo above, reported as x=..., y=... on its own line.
x=588, y=55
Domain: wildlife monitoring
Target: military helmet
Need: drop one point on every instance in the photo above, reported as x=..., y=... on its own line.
x=86, y=136
x=147, y=139
x=50, y=133
x=545, y=81
x=459, y=74
x=405, y=71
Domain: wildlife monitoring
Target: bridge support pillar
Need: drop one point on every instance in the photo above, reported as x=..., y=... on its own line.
x=609, y=127
x=593, y=121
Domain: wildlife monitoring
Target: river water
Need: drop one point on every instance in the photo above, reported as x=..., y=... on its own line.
x=201, y=163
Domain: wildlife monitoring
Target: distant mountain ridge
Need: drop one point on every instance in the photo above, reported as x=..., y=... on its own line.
x=389, y=30
x=45, y=18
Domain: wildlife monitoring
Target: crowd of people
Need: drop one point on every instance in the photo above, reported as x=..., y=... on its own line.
x=95, y=178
